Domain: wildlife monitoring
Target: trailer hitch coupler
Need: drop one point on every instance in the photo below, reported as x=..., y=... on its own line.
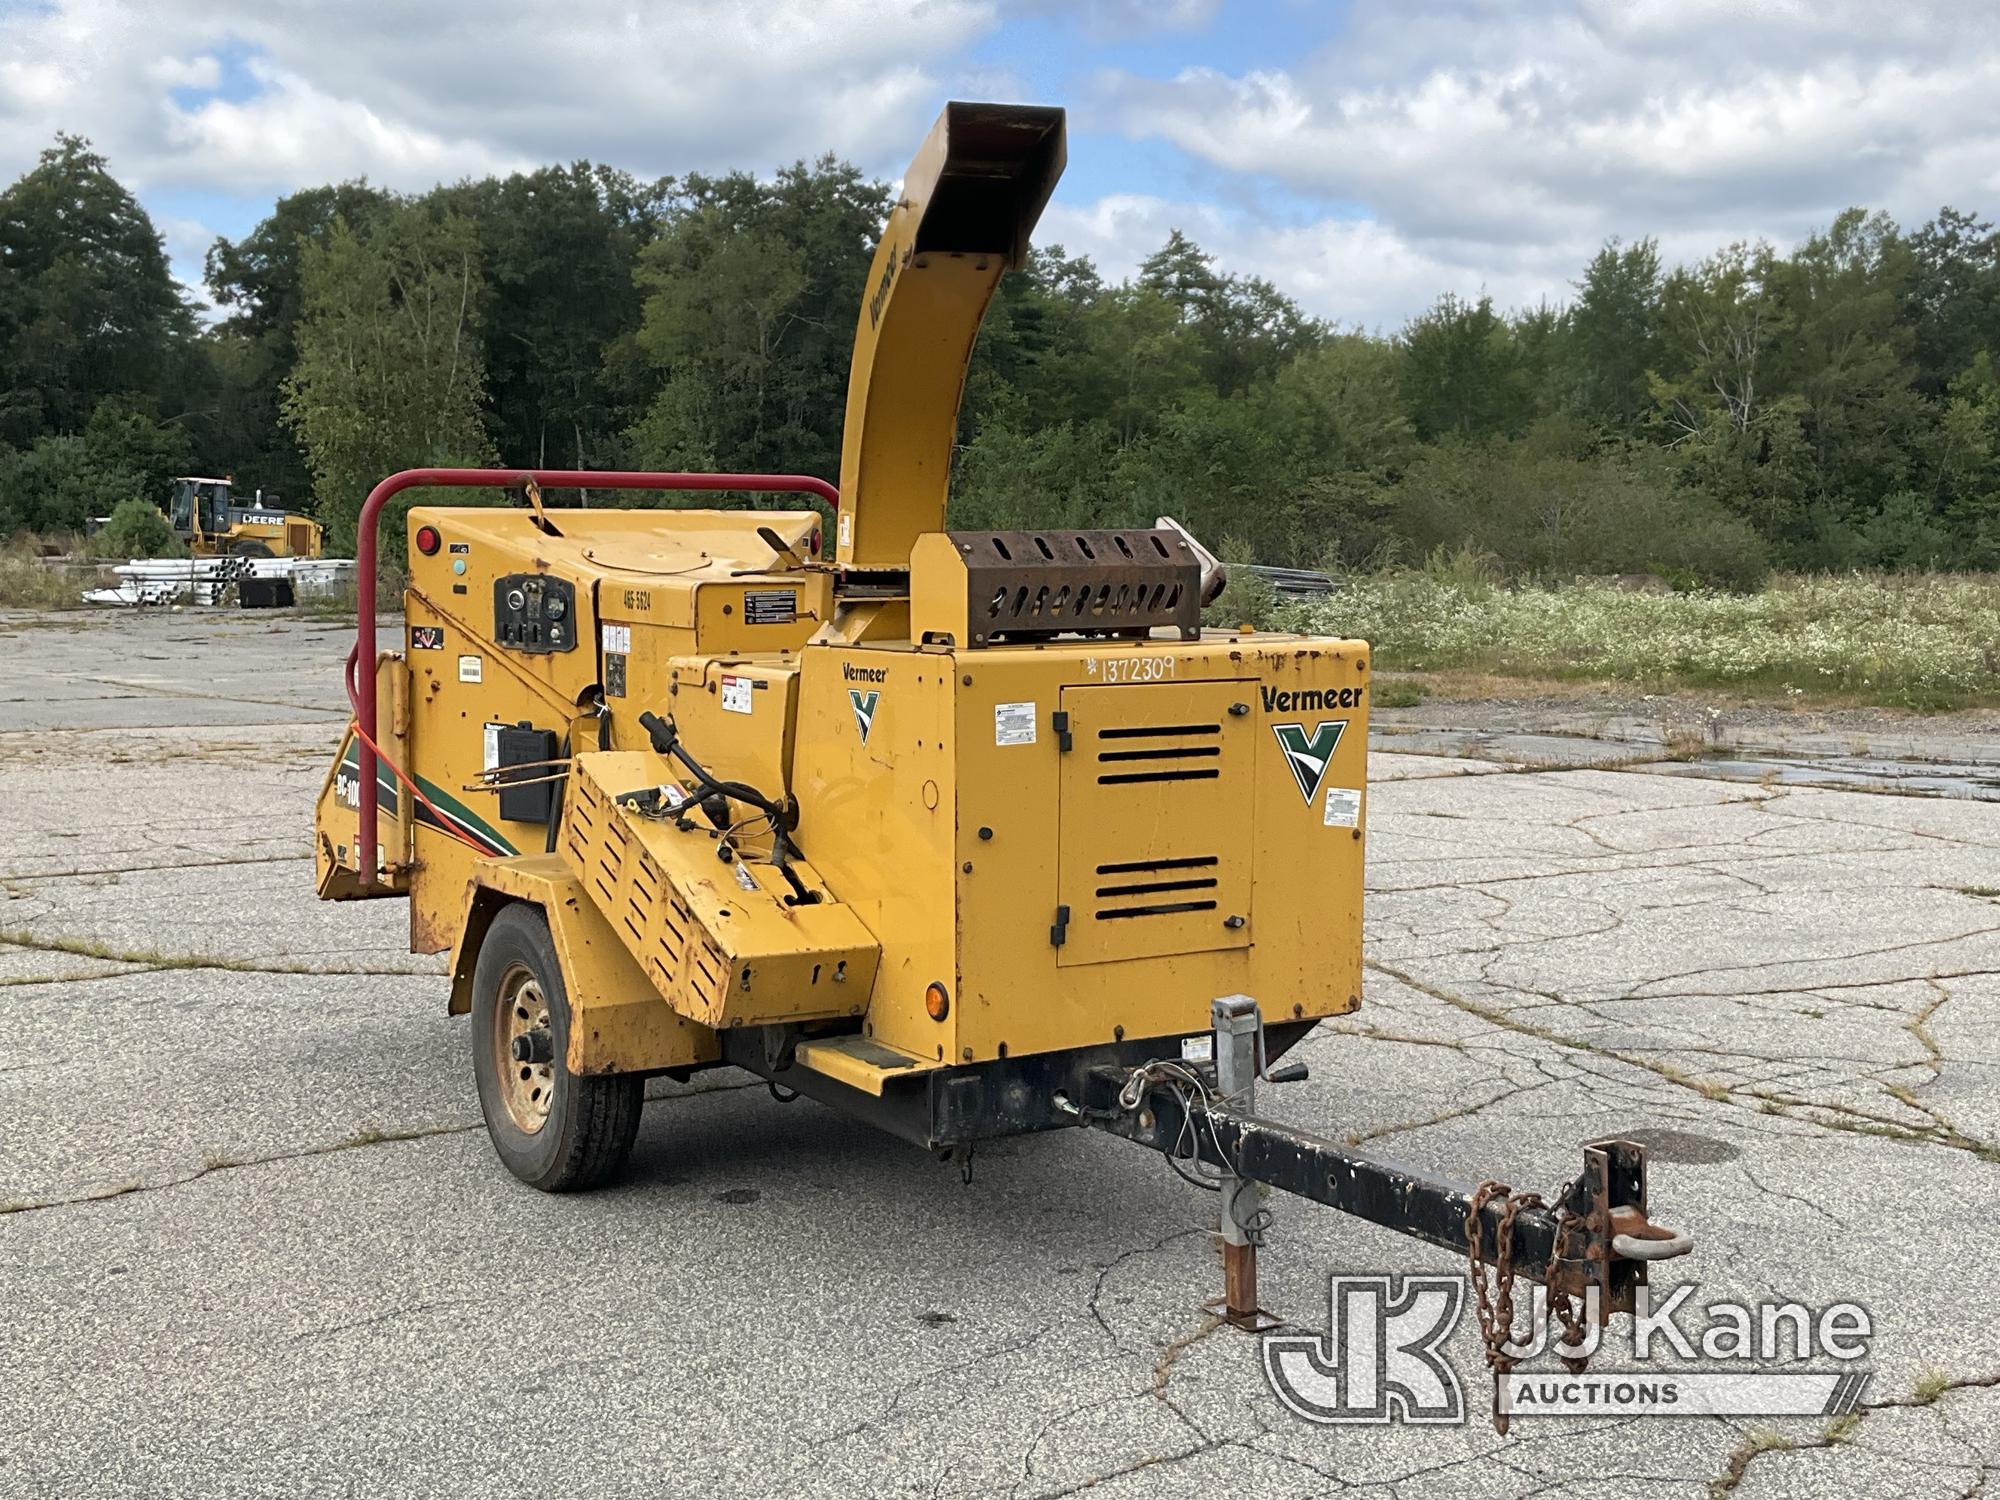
x=1635, y=1238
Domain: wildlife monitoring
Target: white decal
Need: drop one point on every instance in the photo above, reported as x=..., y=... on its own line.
x=470, y=668
x=1198, y=1048
x=617, y=637
x=1013, y=723
x=1343, y=807
x=736, y=695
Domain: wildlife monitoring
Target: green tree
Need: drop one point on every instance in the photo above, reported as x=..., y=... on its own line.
x=136, y=528
x=259, y=281
x=1612, y=326
x=389, y=373
x=753, y=291
x=1456, y=368
x=1953, y=305
x=559, y=247
x=88, y=307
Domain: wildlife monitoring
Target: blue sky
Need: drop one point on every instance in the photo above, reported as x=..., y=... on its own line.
x=1365, y=155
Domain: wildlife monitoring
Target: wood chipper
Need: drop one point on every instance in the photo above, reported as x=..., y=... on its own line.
x=965, y=833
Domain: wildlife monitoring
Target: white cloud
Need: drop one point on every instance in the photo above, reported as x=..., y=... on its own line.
x=407, y=95
x=1116, y=18
x=1355, y=272
x=1512, y=139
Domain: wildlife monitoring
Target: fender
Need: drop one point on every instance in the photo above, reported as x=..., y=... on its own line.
x=618, y=1021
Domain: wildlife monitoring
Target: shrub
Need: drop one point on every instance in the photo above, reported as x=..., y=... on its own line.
x=1918, y=641
x=136, y=529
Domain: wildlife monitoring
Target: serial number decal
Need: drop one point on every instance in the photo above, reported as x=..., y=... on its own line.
x=1133, y=668
x=770, y=606
x=640, y=599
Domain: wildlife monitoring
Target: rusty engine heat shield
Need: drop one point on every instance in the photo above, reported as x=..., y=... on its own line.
x=977, y=588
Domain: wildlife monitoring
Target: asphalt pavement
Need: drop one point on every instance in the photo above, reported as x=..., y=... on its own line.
x=253, y=1240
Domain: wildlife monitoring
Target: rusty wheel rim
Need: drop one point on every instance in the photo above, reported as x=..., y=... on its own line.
x=525, y=1088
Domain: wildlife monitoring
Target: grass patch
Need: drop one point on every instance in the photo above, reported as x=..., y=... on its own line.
x=1928, y=641
x=27, y=583
x=1932, y=1384
x=1404, y=694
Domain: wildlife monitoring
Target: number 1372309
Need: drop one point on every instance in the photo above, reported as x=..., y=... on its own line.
x=1134, y=668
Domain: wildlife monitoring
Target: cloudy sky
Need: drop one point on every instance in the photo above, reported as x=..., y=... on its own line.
x=1364, y=154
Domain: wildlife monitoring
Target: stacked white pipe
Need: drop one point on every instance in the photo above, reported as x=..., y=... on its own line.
x=210, y=580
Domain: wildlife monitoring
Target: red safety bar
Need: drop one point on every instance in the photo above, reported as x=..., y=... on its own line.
x=361, y=683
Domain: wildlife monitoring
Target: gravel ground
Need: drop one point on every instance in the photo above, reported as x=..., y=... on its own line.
x=253, y=1241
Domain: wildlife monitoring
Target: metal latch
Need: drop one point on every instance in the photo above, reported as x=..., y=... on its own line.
x=1060, y=932
x=1059, y=722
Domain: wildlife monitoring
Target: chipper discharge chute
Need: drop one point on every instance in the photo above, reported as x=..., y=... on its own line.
x=969, y=834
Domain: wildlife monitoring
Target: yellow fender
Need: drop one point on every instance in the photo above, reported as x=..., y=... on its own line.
x=619, y=1023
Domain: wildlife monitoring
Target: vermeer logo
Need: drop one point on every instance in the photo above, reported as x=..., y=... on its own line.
x=864, y=710
x=1309, y=755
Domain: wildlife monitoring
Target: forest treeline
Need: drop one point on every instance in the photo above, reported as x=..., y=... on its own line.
x=1830, y=407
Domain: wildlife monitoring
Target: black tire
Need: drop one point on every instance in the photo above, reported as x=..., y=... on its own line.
x=251, y=549
x=586, y=1134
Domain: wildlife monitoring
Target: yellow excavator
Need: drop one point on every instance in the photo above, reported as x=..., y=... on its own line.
x=970, y=834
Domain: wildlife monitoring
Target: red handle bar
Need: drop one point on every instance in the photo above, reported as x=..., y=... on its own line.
x=361, y=660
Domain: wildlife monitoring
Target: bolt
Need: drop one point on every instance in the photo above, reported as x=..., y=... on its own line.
x=986, y=833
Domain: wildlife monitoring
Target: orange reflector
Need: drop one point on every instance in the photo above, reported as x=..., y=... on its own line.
x=937, y=1002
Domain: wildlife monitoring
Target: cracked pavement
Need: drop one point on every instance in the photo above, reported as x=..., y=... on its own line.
x=253, y=1240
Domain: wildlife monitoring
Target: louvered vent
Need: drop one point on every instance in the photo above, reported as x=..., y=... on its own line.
x=1165, y=887
x=1164, y=752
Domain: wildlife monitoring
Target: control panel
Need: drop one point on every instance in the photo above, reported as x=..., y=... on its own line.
x=535, y=613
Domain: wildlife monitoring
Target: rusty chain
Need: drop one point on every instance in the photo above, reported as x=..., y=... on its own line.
x=1495, y=1307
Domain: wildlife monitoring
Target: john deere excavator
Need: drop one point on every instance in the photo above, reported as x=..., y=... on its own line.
x=966, y=833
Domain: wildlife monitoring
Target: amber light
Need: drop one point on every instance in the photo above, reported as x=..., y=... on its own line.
x=428, y=540
x=937, y=1002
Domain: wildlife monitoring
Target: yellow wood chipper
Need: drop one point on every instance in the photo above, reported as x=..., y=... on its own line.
x=966, y=833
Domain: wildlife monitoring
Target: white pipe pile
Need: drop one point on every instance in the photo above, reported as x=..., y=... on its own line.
x=208, y=580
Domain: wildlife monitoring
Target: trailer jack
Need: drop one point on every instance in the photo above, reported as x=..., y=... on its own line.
x=1591, y=1241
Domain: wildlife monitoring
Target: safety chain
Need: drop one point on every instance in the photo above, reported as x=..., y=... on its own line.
x=1496, y=1306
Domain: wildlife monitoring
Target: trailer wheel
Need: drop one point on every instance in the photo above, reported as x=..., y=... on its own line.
x=553, y=1130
